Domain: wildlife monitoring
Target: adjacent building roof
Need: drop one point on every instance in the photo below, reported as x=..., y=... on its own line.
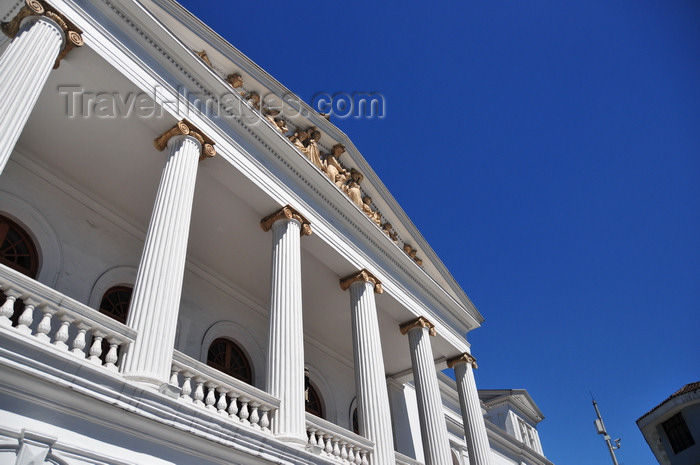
x=684, y=390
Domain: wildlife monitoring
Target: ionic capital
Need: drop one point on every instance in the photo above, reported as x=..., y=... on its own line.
x=73, y=34
x=419, y=322
x=362, y=276
x=286, y=213
x=185, y=128
x=464, y=358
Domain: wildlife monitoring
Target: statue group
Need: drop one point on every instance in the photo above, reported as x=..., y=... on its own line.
x=307, y=142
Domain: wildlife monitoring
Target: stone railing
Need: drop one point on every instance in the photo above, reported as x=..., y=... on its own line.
x=218, y=392
x=64, y=323
x=405, y=460
x=331, y=440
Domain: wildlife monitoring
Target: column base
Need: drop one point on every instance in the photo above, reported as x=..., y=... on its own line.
x=147, y=382
x=293, y=441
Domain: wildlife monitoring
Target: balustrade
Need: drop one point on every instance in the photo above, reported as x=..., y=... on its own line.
x=218, y=392
x=330, y=440
x=61, y=319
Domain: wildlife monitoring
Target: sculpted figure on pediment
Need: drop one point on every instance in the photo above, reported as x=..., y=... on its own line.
x=313, y=154
x=353, y=186
x=367, y=208
x=393, y=235
x=298, y=139
x=332, y=166
x=254, y=99
x=278, y=123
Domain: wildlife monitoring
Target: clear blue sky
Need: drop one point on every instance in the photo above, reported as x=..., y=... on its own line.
x=549, y=151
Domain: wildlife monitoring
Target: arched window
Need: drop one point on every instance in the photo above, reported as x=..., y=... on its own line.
x=355, y=422
x=226, y=356
x=314, y=405
x=115, y=302
x=17, y=249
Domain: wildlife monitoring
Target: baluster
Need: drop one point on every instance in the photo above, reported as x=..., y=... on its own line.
x=221, y=404
x=174, y=380
x=351, y=454
x=343, y=450
x=336, y=448
x=243, y=414
x=329, y=445
x=44, y=327
x=254, y=417
x=62, y=334
x=27, y=317
x=265, y=418
x=312, y=436
x=8, y=308
x=210, y=400
x=186, y=386
x=364, y=461
x=96, y=348
x=233, y=404
x=79, y=341
x=199, y=391
x=112, y=354
x=358, y=457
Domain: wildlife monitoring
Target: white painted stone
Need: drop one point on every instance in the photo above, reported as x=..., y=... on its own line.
x=24, y=68
x=373, y=413
x=472, y=419
x=436, y=445
x=156, y=297
x=285, y=373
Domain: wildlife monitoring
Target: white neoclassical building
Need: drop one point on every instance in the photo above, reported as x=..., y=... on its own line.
x=197, y=268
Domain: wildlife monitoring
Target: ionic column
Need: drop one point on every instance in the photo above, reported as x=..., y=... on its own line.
x=285, y=365
x=155, y=301
x=431, y=413
x=373, y=414
x=40, y=39
x=472, y=418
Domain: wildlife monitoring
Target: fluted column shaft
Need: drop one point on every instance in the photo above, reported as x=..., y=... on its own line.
x=431, y=413
x=472, y=418
x=24, y=69
x=156, y=298
x=373, y=414
x=285, y=368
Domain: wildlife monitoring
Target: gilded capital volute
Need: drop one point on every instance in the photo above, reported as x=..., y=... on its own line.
x=73, y=34
x=286, y=213
x=464, y=358
x=185, y=128
x=419, y=322
x=362, y=276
